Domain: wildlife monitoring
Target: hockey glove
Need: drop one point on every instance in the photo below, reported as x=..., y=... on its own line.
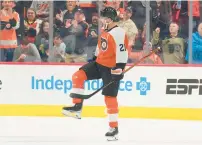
x=117, y=74
x=13, y=22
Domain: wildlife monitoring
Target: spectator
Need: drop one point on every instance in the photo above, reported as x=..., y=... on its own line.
x=79, y=28
x=63, y=19
x=139, y=16
x=176, y=8
x=195, y=13
x=140, y=39
x=173, y=46
x=180, y=16
x=41, y=8
x=20, y=7
x=42, y=40
x=9, y=20
x=196, y=46
x=121, y=14
x=57, y=54
x=162, y=16
x=31, y=23
x=63, y=24
x=114, y=4
x=26, y=52
x=129, y=26
x=92, y=36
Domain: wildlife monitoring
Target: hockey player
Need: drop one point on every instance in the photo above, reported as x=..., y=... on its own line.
x=110, y=59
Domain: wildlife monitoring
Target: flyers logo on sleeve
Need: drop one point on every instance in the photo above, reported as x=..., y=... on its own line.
x=104, y=44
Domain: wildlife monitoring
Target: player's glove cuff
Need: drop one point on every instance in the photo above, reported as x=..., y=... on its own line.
x=117, y=72
x=121, y=65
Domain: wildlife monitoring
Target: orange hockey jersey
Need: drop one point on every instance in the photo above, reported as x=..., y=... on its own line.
x=112, y=47
x=8, y=38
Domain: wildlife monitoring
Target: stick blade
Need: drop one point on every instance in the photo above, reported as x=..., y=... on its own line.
x=74, y=95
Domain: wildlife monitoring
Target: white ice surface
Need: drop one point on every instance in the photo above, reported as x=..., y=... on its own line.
x=90, y=131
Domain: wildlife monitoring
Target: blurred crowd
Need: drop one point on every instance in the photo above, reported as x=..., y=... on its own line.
x=25, y=30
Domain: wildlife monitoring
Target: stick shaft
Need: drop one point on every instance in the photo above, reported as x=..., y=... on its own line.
x=139, y=61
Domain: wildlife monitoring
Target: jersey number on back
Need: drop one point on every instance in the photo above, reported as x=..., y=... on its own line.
x=122, y=48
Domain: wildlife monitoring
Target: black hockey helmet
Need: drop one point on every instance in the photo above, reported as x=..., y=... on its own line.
x=110, y=13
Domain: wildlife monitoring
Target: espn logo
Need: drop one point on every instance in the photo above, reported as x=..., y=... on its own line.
x=184, y=86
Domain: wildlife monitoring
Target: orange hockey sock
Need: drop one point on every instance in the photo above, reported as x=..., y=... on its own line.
x=112, y=110
x=78, y=80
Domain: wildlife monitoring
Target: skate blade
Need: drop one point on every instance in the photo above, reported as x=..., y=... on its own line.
x=76, y=115
x=112, y=138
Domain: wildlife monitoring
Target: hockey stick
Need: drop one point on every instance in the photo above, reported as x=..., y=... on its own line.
x=74, y=95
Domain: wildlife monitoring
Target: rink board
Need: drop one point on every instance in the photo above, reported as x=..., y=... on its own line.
x=145, y=92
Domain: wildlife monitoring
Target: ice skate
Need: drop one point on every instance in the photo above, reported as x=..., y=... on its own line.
x=73, y=111
x=112, y=134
